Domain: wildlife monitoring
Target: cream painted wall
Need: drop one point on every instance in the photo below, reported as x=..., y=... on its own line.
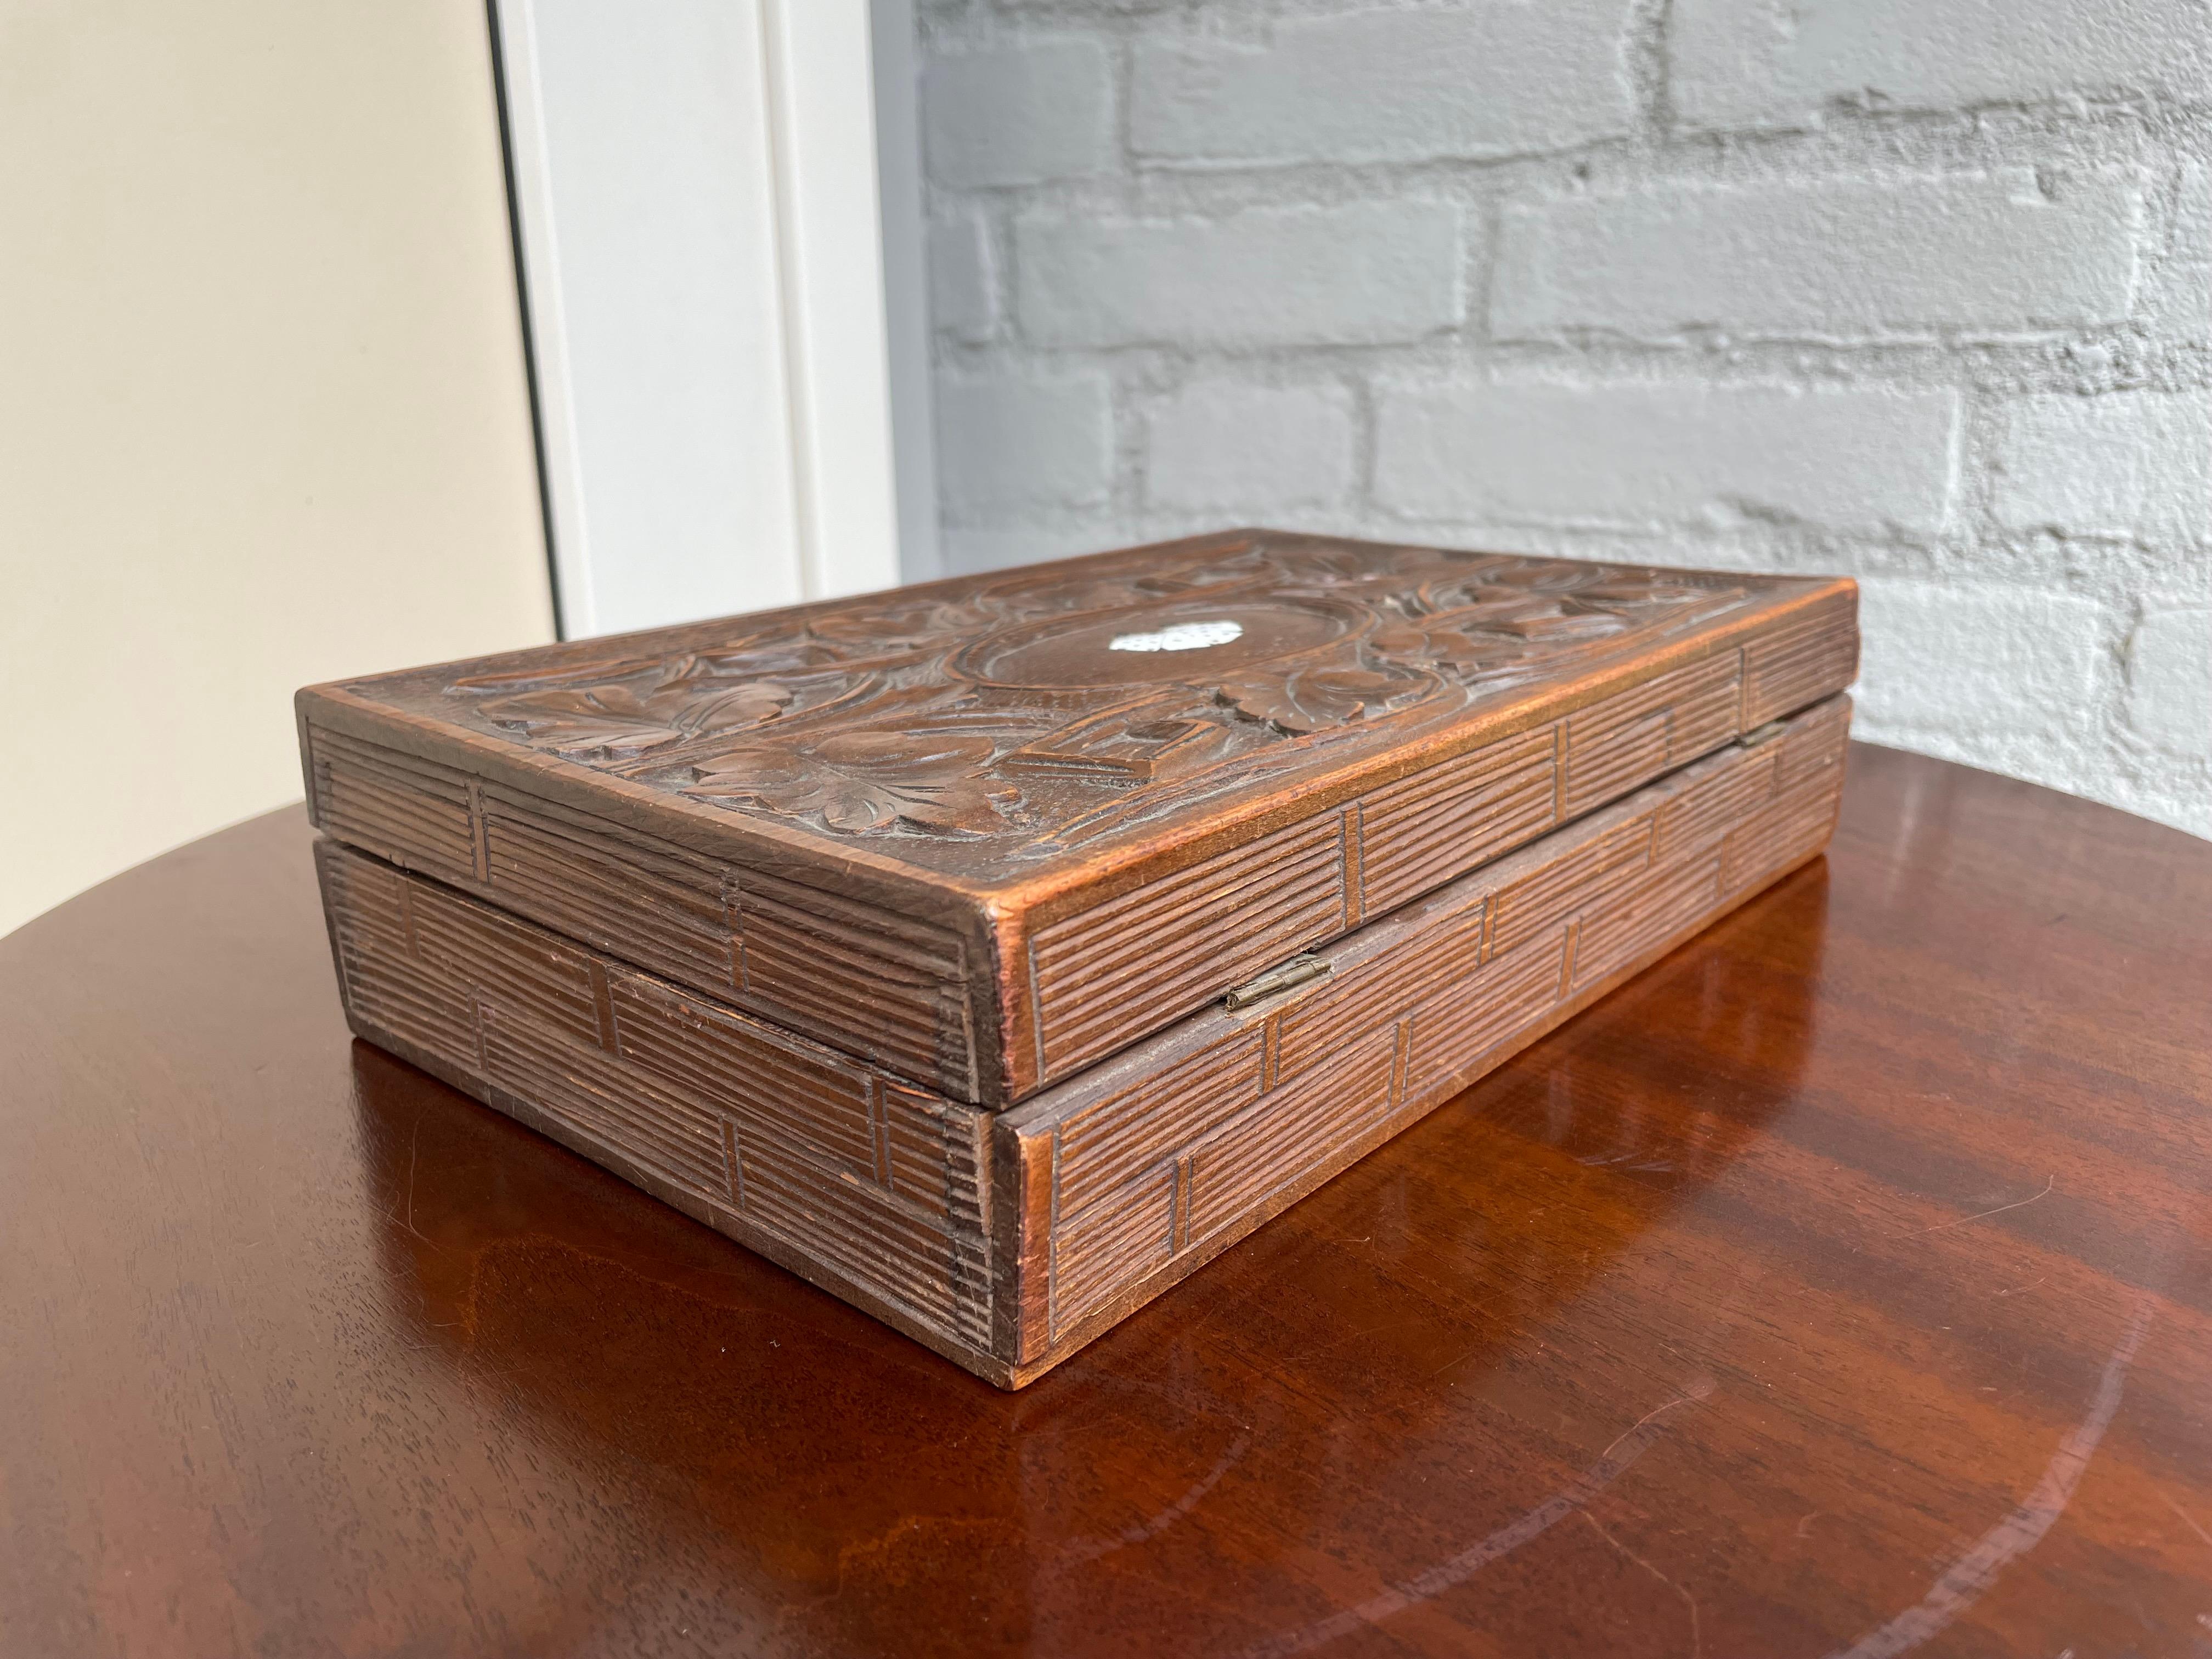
x=263, y=412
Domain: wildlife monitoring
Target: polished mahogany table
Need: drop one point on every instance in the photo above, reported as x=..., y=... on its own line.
x=1841, y=1285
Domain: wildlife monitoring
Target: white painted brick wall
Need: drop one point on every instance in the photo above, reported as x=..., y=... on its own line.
x=1351, y=275
x=1917, y=290
x=1500, y=78
x=2012, y=660
x=1018, y=114
x=1250, y=450
x=1755, y=63
x=2170, y=681
x=969, y=548
x=2133, y=465
x=1006, y=443
x=1632, y=456
x=964, y=296
x=1827, y=258
x=2177, y=290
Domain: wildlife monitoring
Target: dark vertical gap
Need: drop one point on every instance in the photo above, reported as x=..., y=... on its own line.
x=522, y=304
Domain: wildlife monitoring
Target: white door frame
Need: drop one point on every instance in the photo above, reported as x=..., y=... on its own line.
x=701, y=237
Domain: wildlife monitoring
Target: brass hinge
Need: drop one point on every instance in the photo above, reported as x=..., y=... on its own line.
x=1296, y=971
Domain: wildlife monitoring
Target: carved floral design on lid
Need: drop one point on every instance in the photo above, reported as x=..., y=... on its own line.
x=895, y=623
x=1301, y=701
x=1445, y=642
x=866, y=782
x=974, y=710
x=617, y=720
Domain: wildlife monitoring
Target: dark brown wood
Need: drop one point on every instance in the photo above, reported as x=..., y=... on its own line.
x=1152, y=1163
x=985, y=833
x=1843, y=1285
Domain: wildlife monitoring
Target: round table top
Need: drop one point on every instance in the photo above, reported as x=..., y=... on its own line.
x=1843, y=1285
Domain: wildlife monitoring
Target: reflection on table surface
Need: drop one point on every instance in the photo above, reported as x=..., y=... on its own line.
x=1490, y=1320
x=1839, y=1286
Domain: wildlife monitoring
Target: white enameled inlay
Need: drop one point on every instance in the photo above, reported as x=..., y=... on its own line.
x=1180, y=636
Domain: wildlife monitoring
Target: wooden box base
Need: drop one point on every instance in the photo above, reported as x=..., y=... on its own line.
x=1006, y=1241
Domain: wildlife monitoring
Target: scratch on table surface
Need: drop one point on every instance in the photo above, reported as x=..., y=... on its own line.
x=1697, y=1636
x=2021, y=1530
x=1615, y=1462
x=407, y=1222
x=2187, y=1519
x=1091, y=1549
x=1338, y=1339
x=1981, y=1214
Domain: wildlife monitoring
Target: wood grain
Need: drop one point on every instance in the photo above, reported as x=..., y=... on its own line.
x=1154, y=1161
x=964, y=796
x=1165, y=1156
x=783, y=1144
x=1841, y=1283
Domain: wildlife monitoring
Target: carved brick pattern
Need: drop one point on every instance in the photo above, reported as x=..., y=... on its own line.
x=1098, y=1147
x=1235, y=1168
x=1791, y=666
x=385, y=987
x=1535, y=905
x=1154, y=1159
x=806, y=955
x=1472, y=1015
x=1415, y=1007
x=645, y=901
x=1173, y=946
x=1042, y=815
x=1418, y=833
x=1128, y=967
x=784, y=1094
x=414, y=813
x=508, y=964
x=1645, y=733
x=1332, y=1017
x=1100, y=1252
x=968, y=1217
x=879, y=1185
x=792, y=954
x=675, y=1137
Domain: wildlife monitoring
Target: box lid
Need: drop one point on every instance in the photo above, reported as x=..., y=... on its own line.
x=986, y=831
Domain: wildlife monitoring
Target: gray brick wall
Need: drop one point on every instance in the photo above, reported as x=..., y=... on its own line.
x=1916, y=290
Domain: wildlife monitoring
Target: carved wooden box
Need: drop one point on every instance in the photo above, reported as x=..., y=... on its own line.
x=995, y=952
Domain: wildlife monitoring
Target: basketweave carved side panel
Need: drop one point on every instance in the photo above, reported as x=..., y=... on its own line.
x=1156, y=1159
x=1125, y=968
x=412, y=811
x=909, y=824
x=1789, y=667
x=880, y=1185
x=1472, y=971
x=1163, y=951
x=791, y=953
x=1181, y=940
x=1040, y=709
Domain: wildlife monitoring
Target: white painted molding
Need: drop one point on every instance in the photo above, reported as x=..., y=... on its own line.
x=906, y=288
x=702, y=240
x=523, y=122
